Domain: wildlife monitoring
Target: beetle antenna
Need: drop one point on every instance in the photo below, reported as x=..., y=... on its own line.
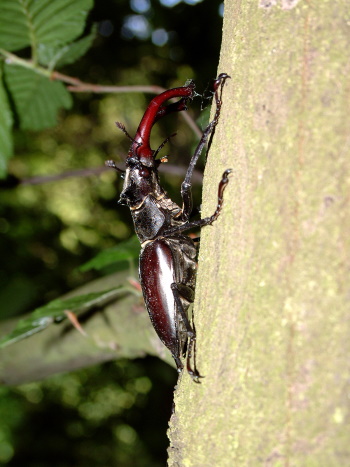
x=121, y=127
x=113, y=165
x=162, y=145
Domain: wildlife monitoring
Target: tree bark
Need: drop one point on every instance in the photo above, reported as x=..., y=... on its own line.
x=272, y=299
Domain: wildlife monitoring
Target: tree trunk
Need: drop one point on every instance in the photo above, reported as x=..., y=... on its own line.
x=272, y=299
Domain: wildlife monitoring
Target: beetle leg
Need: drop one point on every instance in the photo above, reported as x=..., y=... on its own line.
x=178, y=362
x=192, y=346
x=188, y=294
x=181, y=290
x=222, y=185
x=208, y=133
x=162, y=145
x=207, y=220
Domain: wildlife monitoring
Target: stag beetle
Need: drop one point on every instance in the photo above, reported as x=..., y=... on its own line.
x=167, y=267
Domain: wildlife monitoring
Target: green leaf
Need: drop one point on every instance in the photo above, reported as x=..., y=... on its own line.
x=14, y=32
x=55, y=312
x=204, y=117
x=55, y=57
x=32, y=22
x=124, y=251
x=6, y=121
x=37, y=99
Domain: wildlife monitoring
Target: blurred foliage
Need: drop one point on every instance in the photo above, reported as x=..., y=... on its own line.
x=48, y=30
x=48, y=230
x=115, y=414
x=57, y=311
x=125, y=251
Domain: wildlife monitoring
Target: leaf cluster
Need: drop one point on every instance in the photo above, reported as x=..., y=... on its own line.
x=49, y=33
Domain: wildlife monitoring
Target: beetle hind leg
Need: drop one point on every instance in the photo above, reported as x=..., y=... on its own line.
x=192, y=347
x=179, y=365
x=181, y=290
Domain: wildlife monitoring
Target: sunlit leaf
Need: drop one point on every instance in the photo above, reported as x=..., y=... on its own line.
x=30, y=23
x=6, y=121
x=124, y=251
x=54, y=57
x=37, y=99
x=56, y=311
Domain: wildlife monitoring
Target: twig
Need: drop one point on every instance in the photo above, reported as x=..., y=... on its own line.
x=76, y=85
x=167, y=168
x=54, y=178
x=79, y=86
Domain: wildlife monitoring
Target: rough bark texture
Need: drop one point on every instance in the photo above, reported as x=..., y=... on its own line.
x=272, y=309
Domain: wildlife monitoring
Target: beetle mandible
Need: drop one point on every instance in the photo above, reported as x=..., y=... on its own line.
x=167, y=267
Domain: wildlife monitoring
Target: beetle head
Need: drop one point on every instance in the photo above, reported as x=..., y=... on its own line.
x=141, y=147
x=140, y=181
x=141, y=176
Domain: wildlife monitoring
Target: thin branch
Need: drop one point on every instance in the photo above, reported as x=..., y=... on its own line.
x=76, y=85
x=12, y=59
x=69, y=174
x=79, y=86
x=167, y=168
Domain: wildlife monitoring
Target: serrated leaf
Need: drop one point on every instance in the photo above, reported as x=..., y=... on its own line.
x=32, y=22
x=55, y=311
x=55, y=57
x=124, y=251
x=37, y=99
x=14, y=32
x=6, y=121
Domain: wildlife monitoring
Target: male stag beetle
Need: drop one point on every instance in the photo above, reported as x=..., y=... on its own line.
x=167, y=266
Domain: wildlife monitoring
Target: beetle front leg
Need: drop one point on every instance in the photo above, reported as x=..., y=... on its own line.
x=186, y=186
x=181, y=290
x=207, y=220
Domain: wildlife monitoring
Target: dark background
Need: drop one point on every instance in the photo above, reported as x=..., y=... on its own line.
x=116, y=413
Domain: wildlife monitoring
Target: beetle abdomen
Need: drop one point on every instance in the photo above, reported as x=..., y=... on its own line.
x=156, y=276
